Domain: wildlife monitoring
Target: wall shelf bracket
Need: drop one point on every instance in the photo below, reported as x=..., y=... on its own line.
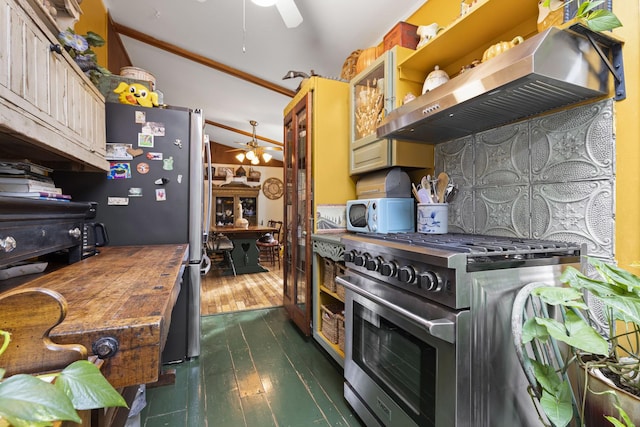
x=615, y=65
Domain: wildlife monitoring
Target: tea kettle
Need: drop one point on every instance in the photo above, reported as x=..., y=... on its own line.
x=94, y=236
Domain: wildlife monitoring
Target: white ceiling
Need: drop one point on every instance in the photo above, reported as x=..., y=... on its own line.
x=330, y=32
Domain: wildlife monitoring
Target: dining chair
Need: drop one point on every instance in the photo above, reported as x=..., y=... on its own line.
x=221, y=245
x=270, y=248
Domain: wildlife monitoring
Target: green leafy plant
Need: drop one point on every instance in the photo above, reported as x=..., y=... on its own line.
x=79, y=48
x=595, y=19
x=614, y=351
x=28, y=400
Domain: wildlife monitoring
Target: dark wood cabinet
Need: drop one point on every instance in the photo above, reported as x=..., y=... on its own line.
x=226, y=199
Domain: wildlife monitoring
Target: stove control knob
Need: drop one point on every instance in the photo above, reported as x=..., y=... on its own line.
x=429, y=281
x=406, y=274
x=349, y=256
x=373, y=264
x=361, y=260
x=388, y=268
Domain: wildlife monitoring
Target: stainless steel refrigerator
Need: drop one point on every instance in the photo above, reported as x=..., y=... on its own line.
x=154, y=194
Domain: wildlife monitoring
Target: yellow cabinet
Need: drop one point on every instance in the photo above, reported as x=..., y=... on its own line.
x=316, y=172
x=373, y=93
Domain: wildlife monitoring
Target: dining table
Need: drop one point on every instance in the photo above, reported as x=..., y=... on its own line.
x=245, y=253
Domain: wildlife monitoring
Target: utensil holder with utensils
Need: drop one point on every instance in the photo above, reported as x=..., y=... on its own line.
x=433, y=218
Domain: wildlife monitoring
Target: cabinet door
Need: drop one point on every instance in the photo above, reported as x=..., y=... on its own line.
x=298, y=204
x=65, y=111
x=250, y=209
x=225, y=207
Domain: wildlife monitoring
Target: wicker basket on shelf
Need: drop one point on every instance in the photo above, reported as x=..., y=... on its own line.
x=340, y=332
x=329, y=274
x=339, y=271
x=329, y=327
x=349, y=66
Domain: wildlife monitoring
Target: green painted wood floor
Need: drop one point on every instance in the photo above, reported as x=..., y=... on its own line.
x=255, y=369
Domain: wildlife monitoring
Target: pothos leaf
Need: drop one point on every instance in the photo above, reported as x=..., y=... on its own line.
x=546, y=376
x=29, y=401
x=531, y=329
x=577, y=333
x=558, y=407
x=87, y=388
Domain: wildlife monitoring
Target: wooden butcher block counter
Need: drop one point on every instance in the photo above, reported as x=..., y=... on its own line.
x=121, y=298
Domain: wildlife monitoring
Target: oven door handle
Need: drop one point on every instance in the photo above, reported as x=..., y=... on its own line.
x=441, y=328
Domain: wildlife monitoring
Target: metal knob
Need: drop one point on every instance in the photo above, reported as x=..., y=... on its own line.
x=373, y=264
x=8, y=244
x=75, y=233
x=105, y=347
x=55, y=48
x=406, y=274
x=388, y=269
x=349, y=256
x=360, y=260
x=429, y=281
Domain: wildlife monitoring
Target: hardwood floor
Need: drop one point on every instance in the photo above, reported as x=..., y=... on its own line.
x=224, y=294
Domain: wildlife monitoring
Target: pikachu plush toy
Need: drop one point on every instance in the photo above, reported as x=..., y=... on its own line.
x=136, y=94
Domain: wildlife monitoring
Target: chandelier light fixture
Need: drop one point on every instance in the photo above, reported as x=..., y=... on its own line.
x=254, y=157
x=252, y=151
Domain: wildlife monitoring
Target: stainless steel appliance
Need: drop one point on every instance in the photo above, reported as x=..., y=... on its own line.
x=428, y=326
x=156, y=198
x=549, y=70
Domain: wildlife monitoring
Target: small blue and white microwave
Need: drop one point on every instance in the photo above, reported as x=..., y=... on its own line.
x=383, y=215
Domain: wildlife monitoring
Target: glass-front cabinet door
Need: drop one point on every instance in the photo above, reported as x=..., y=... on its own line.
x=224, y=210
x=298, y=217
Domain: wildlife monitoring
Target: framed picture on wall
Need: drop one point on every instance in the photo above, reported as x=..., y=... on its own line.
x=331, y=219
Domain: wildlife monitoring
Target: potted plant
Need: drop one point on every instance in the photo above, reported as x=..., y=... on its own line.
x=552, y=12
x=32, y=400
x=565, y=315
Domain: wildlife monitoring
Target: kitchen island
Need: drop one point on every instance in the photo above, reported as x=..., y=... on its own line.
x=119, y=304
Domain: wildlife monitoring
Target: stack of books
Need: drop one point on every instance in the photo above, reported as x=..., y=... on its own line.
x=26, y=179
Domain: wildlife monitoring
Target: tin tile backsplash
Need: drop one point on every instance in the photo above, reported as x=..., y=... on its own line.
x=551, y=177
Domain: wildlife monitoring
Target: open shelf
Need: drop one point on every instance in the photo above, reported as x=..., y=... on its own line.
x=486, y=21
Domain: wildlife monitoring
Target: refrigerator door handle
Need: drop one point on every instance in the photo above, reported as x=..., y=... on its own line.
x=208, y=189
x=196, y=190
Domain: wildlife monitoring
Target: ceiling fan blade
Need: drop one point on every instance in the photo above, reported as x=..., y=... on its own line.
x=289, y=12
x=272, y=148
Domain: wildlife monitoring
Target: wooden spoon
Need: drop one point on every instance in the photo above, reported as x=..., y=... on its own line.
x=441, y=186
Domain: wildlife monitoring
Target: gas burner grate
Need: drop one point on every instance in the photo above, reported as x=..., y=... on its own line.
x=479, y=244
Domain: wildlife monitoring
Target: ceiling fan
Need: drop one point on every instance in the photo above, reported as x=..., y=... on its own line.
x=287, y=8
x=252, y=151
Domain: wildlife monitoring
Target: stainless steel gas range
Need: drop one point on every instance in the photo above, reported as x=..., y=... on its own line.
x=428, y=326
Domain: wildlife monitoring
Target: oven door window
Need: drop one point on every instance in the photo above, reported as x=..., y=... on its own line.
x=400, y=363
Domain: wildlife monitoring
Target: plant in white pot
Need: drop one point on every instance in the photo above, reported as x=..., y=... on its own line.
x=545, y=315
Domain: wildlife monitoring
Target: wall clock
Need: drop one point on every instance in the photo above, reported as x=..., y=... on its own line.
x=273, y=188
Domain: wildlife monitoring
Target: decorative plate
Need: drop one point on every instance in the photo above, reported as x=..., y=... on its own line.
x=273, y=188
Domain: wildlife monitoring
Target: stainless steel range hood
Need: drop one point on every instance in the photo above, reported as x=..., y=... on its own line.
x=553, y=69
